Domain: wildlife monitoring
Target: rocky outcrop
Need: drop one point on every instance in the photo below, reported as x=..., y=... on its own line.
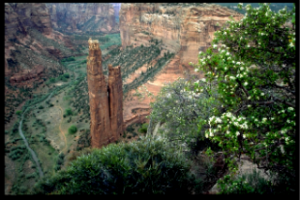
x=115, y=100
x=184, y=29
x=106, y=106
x=83, y=17
x=29, y=77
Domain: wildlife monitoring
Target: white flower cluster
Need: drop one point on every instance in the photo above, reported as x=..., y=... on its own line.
x=227, y=120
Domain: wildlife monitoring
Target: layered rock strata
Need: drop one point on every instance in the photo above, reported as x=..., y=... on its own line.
x=83, y=17
x=106, y=108
x=184, y=29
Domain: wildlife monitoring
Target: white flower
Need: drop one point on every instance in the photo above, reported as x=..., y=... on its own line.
x=264, y=119
x=196, y=69
x=291, y=45
x=242, y=68
x=262, y=94
x=227, y=53
x=225, y=68
x=208, y=57
x=238, y=63
x=233, y=62
x=237, y=133
x=244, y=136
x=203, y=79
x=206, y=135
x=232, y=78
x=290, y=108
x=200, y=52
x=214, y=46
x=218, y=120
x=246, y=83
x=225, y=33
x=241, y=38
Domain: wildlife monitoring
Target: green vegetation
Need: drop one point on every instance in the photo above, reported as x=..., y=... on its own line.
x=68, y=112
x=18, y=112
x=68, y=59
x=245, y=104
x=144, y=128
x=149, y=166
x=17, y=152
x=72, y=129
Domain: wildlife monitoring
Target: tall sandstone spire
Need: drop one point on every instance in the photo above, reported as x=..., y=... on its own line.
x=106, y=106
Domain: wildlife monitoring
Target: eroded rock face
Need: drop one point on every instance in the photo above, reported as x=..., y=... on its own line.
x=115, y=100
x=106, y=106
x=32, y=50
x=83, y=17
x=29, y=77
x=30, y=40
x=183, y=29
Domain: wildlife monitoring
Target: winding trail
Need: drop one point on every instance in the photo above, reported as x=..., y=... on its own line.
x=26, y=142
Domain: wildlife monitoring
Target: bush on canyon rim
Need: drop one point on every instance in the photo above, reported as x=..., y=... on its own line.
x=148, y=166
x=254, y=69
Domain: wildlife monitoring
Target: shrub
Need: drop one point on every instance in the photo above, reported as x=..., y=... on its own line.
x=72, y=129
x=149, y=166
x=130, y=128
x=246, y=184
x=68, y=112
x=41, y=107
x=144, y=128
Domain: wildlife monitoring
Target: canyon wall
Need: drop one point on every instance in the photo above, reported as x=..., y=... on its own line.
x=30, y=39
x=32, y=50
x=106, y=106
x=83, y=17
x=184, y=29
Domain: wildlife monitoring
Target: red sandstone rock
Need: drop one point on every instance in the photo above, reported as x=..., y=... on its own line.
x=106, y=106
x=115, y=100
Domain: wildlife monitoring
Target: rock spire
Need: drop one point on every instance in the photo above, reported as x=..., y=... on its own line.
x=106, y=99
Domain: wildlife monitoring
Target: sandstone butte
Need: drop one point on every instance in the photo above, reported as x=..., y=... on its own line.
x=106, y=100
x=183, y=30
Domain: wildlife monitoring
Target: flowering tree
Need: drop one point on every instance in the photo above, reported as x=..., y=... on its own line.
x=184, y=109
x=253, y=63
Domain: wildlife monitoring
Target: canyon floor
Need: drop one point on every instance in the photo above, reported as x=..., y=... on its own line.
x=46, y=124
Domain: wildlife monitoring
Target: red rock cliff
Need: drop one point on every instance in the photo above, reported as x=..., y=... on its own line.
x=105, y=100
x=183, y=29
x=82, y=17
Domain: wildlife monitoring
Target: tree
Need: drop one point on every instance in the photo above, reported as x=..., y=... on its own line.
x=184, y=110
x=255, y=73
x=68, y=111
x=72, y=129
